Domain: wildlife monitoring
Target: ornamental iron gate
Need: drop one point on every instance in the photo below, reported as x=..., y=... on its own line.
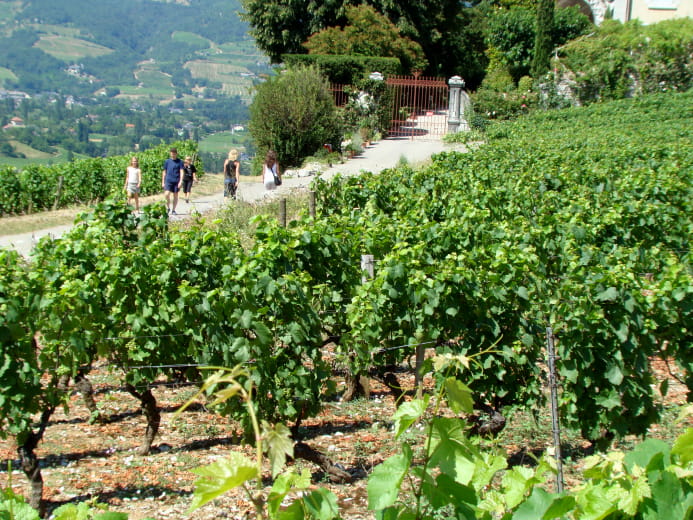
x=420, y=107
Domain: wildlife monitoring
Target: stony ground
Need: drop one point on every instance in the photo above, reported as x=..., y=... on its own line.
x=82, y=461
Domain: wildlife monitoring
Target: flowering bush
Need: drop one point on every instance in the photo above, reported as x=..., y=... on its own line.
x=505, y=104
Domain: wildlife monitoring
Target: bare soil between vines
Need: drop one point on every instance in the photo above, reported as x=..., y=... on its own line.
x=82, y=461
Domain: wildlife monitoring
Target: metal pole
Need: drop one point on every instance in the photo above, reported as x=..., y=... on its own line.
x=555, y=424
x=311, y=204
x=418, y=375
x=59, y=192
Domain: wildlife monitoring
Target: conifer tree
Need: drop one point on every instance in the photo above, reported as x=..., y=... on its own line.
x=542, y=41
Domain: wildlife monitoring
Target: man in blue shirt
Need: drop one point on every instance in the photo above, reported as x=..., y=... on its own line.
x=171, y=179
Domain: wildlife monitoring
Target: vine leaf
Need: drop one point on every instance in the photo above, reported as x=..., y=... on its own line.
x=408, y=413
x=279, y=445
x=283, y=484
x=459, y=396
x=221, y=476
x=386, y=479
x=321, y=504
x=543, y=505
x=683, y=447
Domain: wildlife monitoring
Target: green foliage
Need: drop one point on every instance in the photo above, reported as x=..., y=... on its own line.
x=511, y=35
x=83, y=181
x=14, y=507
x=512, y=32
x=557, y=219
x=237, y=470
x=451, y=476
x=294, y=115
x=367, y=33
x=369, y=107
x=454, y=478
x=447, y=31
x=456, y=245
x=345, y=70
x=543, y=44
x=10, y=192
x=624, y=60
x=41, y=68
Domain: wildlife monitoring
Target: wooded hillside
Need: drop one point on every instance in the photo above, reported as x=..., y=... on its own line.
x=78, y=47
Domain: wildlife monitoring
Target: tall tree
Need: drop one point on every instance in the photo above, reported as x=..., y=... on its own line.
x=281, y=26
x=543, y=42
x=368, y=33
x=448, y=32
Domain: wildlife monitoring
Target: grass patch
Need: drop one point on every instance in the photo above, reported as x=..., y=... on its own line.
x=66, y=48
x=6, y=74
x=29, y=152
x=237, y=215
x=34, y=156
x=222, y=142
x=151, y=78
x=57, y=30
x=191, y=39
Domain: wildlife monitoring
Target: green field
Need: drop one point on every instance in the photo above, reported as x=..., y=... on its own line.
x=70, y=49
x=6, y=74
x=35, y=157
x=190, y=38
x=217, y=143
x=152, y=78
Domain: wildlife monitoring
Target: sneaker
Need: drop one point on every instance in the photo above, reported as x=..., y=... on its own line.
x=168, y=210
x=187, y=201
x=174, y=212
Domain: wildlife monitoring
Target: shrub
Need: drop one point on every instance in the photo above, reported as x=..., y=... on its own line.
x=346, y=70
x=624, y=60
x=294, y=114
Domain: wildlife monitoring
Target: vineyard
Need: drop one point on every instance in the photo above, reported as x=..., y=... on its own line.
x=577, y=222
x=40, y=187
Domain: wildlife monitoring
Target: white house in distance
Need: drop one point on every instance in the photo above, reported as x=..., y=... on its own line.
x=647, y=11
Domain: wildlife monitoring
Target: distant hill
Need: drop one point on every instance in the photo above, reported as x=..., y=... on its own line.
x=128, y=48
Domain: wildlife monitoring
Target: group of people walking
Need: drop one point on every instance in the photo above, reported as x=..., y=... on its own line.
x=177, y=174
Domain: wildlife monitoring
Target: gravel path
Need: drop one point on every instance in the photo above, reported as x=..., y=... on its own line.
x=376, y=158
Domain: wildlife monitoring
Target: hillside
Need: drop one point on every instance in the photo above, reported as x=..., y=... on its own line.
x=127, y=48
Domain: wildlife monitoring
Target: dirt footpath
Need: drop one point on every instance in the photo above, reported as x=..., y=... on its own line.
x=379, y=156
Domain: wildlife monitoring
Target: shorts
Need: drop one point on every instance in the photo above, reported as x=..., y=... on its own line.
x=171, y=186
x=270, y=185
x=230, y=189
x=133, y=189
x=187, y=185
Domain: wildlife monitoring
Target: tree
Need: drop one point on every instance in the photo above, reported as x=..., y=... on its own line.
x=82, y=132
x=294, y=114
x=511, y=33
x=449, y=33
x=543, y=44
x=368, y=33
x=281, y=26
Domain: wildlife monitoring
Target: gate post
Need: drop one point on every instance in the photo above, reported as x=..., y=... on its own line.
x=454, y=105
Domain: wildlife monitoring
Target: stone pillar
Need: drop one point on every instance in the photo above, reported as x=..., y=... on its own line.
x=454, y=106
x=465, y=110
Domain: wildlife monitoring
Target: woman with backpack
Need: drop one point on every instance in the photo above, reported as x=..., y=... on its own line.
x=232, y=174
